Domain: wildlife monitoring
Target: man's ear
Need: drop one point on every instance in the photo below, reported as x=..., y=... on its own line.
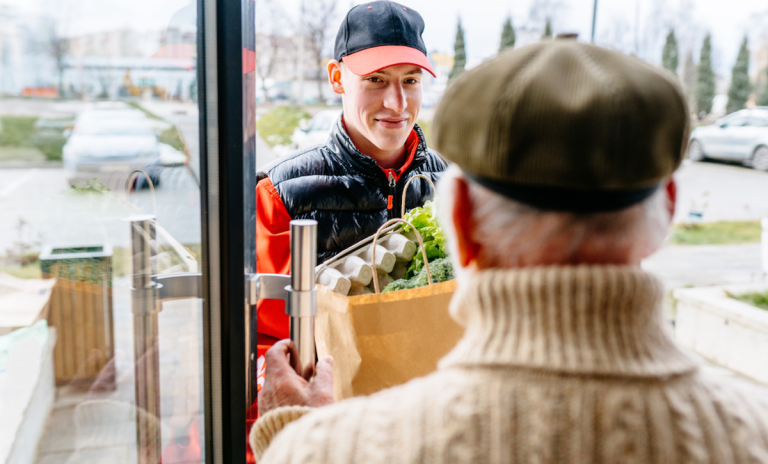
x=463, y=223
x=671, y=198
x=334, y=77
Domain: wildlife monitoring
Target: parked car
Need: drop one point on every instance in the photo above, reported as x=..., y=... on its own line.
x=106, y=140
x=315, y=131
x=741, y=136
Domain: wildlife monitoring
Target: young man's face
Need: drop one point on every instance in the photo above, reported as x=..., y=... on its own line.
x=383, y=106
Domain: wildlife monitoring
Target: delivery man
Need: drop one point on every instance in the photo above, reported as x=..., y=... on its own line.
x=354, y=183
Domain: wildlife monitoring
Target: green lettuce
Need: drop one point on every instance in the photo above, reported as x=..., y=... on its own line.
x=424, y=219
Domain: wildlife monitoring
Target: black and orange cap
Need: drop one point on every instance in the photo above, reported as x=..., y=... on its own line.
x=380, y=34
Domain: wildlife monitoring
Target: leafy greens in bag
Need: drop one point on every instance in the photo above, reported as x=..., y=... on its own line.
x=424, y=219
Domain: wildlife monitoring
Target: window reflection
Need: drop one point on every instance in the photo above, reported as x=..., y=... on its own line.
x=90, y=94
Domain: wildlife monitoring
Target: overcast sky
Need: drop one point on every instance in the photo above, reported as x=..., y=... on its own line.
x=618, y=22
x=637, y=26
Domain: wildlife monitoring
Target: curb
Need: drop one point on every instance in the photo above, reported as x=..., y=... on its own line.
x=32, y=165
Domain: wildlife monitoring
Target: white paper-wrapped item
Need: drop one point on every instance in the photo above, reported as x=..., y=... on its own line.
x=400, y=246
x=334, y=280
x=385, y=260
x=356, y=270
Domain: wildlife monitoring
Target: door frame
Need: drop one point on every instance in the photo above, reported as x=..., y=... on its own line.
x=222, y=148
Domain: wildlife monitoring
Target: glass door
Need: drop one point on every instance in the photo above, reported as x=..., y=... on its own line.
x=121, y=223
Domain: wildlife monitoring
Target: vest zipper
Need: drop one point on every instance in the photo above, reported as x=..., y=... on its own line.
x=391, y=213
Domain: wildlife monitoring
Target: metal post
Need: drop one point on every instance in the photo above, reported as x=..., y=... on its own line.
x=594, y=20
x=145, y=307
x=302, y=304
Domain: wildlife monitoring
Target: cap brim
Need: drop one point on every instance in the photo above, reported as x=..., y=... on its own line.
x=375, y=59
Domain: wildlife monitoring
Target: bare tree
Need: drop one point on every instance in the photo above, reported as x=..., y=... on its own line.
x=689, y=79
x=58, y=48
x=319, y=16
x=663, y=17
x=52, y=42
x=545, y=12
x=274, y=46
x=617, y=34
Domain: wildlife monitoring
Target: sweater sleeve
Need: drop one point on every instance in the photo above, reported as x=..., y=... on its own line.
x=270, y=424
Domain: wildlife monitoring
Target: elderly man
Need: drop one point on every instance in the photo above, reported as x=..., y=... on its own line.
x=561, y=185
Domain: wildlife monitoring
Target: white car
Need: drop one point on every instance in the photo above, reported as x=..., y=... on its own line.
x=104, y=141
x=741, y=136
x=314, y=132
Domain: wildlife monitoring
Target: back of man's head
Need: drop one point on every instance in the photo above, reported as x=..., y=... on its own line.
x=566, y=152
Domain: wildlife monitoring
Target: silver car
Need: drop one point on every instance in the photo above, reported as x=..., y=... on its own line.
x=109, y=140
x=741, y=136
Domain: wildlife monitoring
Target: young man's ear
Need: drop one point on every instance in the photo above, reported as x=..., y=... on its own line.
x=334, y=76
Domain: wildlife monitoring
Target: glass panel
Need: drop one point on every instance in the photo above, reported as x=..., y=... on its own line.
x=715, y=232
x=93, y=367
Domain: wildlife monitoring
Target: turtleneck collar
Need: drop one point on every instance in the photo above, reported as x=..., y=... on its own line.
x=586, y=320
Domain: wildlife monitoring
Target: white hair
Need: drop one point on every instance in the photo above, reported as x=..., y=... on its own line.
x=505, y=227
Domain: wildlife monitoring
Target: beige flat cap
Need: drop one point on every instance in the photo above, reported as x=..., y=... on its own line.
x=564, y=125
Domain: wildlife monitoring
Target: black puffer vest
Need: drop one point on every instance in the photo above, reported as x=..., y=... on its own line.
x=345, y=191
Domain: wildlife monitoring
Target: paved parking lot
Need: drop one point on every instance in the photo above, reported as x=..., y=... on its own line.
x=722, y=192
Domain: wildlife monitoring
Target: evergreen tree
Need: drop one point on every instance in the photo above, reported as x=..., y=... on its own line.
x=547, y=30
x=705, y=79
x=459, y=54
x=741, y=88
x=669, y=56
x=762, y=99
x=507, y=35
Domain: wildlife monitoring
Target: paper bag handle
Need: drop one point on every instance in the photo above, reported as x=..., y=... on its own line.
x=405, y=190
x=376, y=241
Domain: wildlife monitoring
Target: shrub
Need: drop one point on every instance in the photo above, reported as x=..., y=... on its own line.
x=277, y=126
x=17, y=131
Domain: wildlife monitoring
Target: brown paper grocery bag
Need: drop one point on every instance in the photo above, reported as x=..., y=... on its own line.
x=379, y=341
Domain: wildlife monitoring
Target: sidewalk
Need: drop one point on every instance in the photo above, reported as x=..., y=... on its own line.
x=698, y=266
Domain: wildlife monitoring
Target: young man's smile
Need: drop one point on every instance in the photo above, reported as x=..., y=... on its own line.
x=392, y=123
x=380, y=108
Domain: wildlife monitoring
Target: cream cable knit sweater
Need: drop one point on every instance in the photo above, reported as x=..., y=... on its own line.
x=557, y=365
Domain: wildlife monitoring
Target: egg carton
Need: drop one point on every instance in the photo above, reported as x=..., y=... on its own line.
x=351, y=272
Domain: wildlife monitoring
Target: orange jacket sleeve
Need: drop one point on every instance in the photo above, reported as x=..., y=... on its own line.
x=272, y=257
x=273, y=242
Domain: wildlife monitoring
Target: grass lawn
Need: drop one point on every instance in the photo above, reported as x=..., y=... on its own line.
x=17, y=131
x=29, y=271
x=755, y=299
x=22, y=140
x=716, y=233
x=277, y=126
